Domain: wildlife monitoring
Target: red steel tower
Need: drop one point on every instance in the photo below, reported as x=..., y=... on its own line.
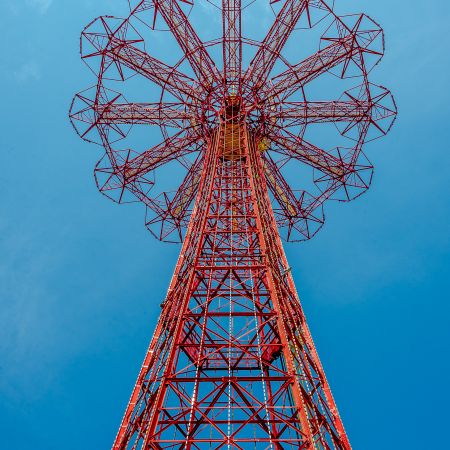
x=232, y=362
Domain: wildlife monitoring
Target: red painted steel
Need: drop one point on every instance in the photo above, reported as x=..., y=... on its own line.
x=232, y=362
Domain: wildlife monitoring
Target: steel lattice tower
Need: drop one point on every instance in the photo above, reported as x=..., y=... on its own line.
x=232, y=362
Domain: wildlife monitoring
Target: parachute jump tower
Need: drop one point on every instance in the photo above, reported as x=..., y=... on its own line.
x=232, y=363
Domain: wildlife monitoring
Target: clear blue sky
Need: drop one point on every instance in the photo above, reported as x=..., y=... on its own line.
x=81, y=279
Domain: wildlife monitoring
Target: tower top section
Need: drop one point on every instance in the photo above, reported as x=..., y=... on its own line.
x=300, y=85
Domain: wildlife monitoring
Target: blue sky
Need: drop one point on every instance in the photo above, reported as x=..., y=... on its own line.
x=81, y=279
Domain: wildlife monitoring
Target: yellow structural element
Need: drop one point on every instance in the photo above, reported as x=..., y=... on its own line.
x=231, y=140
x=284, y=201
x=263, y=145
x=187, y=197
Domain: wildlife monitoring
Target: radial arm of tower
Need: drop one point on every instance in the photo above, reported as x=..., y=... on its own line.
x=172, y=114
x=294, y=78
x=308, y=153
x=171, y=215
x=302, y=113
x=263, y=62
x=174, y=81
x=172, y=148
x=191, y=45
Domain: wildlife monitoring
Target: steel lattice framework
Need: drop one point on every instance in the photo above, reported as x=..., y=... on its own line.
x=232, y=362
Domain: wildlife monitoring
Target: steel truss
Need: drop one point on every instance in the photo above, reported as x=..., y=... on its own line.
x=232, y=362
